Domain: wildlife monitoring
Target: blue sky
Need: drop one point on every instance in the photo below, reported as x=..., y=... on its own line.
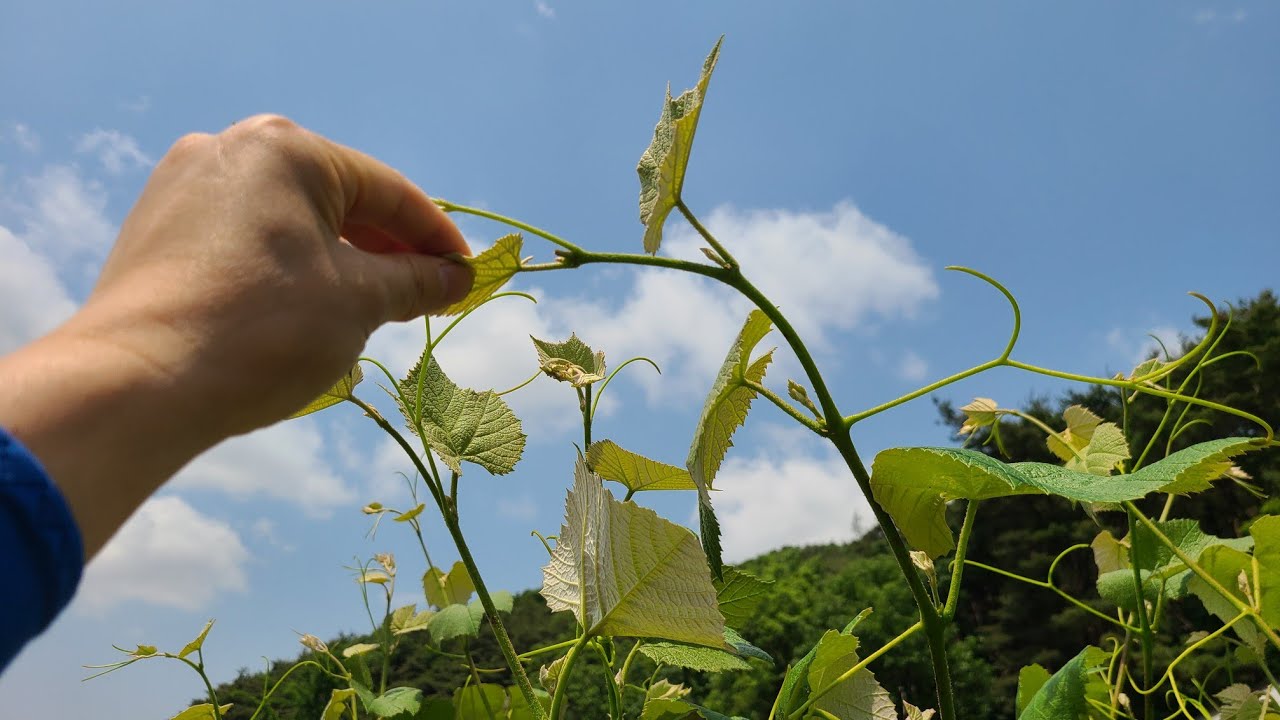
x=1100, y=159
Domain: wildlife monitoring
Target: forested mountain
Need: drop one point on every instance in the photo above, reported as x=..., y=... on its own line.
x=1003, y=624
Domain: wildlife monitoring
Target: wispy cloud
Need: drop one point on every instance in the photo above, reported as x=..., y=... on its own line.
x=25, y=138
x=138, y=105
x=168, y=554
x=544, y=9
x=912, y=367
x=1208, y=16
x=116, y=151
x=1136, y=346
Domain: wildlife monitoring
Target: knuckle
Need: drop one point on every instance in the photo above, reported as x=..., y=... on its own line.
x=190, y=144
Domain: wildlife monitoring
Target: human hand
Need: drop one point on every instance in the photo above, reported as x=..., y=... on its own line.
x=244, y=282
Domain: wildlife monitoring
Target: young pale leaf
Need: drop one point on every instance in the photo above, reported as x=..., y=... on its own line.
x=407, y=620
x=1239, y=702
x=624, y=571
x=636, y=472
x=571, y=361
x=462, y=424
x=739, y=593
x=203, y=711
x=665, y=690
x=337, y=705
x=860, y=697
x=480, y=702
x=344, y=389
x=196, y=644
x=662, y=166
x=359, y=649
x=408, y=515
x=396, y=701
x=493, y=268
x=1063, y=695
x=445, y=589
x=1030, y=679
x=672, y=709
x=724, y=412
x=978, y=414
x=1109, y=553
x=549, y=675
x=911, y=712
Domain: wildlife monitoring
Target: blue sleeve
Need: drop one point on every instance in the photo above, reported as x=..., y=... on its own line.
x=41, y=554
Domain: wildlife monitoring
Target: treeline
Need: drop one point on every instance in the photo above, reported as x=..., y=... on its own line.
x=1003, y=624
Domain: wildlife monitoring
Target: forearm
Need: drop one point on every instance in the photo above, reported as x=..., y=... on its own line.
x=104, y=424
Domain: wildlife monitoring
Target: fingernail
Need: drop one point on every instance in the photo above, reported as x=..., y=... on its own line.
x=455, y=281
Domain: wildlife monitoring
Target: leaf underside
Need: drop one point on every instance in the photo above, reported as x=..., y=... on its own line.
x=493, y=268
x=344, y=389
x=636, y=472
x=571, y=361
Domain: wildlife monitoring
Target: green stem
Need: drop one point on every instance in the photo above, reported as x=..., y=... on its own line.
x=850, y=420
x=475, y=677
x=585, y=398
x=1052, y=587
x=532, y=377
x=605, y=384
x=556, y=239
x=706, y=235
x=557, y=699
x=213, y=696
x=786, y=407
x=626, y=668
x=957, y=565
x=1145, y=637
x=544, y=650
x=615, y=702
x=861, y=665
x=433, y=344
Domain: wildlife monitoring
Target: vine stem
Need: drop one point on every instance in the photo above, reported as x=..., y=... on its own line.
x=455, y=530
x=730, y=262
x=447, y=206
x=557, y=699
x=957, y=565
x=263, y=703
x=1145, y=636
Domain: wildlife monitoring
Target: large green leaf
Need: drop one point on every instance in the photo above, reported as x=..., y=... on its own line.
x=1030, y=679
x=493, y=268
x=1162, y=571
x=396, y=702
x=204, y=711
x=662, y=166
x=914, y=484
x=337, y=705
x=464, y=620
x=739, y=593
x=725, y=410
x=344, y=389
x=624, y=571
x=706, y=659
x=462, y=424
x=571, y=361
x=859, y=697
x=1064, y=695
x=480, y=702
x=1253, y=580
x=636, y=472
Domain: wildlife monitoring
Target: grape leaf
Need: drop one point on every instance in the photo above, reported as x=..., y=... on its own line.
x=694, y=657
x=344, y=389
x=725, y=410
x=1030, y=679
x=196, y=644
x=493, y=268
x=636, y=472
x=464, y=620
x=480, y=702
x=1063, y=695
x=1161, y=570
x=1239, y=702
x=1194, y=468
x=739, y=593
x=662, y=166
x=519, y=707
x=624, y=571
x=859, y=697
x=570, y=361
x=978, y=414
x=396, y=701
x=337, y=705
x=445, y=589
x=203, y=711
x=911, y=712
x=461, y=424
x=407, y=620
x=1088, y=444
x=672, y=709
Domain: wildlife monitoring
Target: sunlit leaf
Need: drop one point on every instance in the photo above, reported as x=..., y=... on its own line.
x=800, y=395
x=444, y=589
x=462, y=424
x=1109, y=553
x=694, y=657
x=464, y=620
x=410, y=514
x=911, y=712
x=739, y=594
x=860, y=697
x=1063, y=695
x=665, y=690
x=359, y=649
x=406, y=620
x=624, y=571
x=1239, y=702
x=723, y=413
x=203, y=711
x=1030, y=679
x=662, y=166
x=396, y=701
x=549, y=674
x=978, y=414
x=480, y=702
x=636, y=472
x=1161, y=570
x=1195, y=468
x=338, y=704
x=1088, y=444
x=493, y=268
x=570, y=361
x=196, y=644
x=344, y=389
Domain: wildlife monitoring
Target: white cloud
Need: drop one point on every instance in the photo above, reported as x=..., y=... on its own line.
x=32, y=299
x=25, y=138
x=116, y=151
x=522, y=507
x=64, y=215
x=285, y=462
x=912, y=367
x=544, y=9
x=1137, y=346
x=792, y=493
x=138, y=105
x=166, y=554
x=1208, y=16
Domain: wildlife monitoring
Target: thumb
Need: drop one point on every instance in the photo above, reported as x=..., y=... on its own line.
x=411, y=285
